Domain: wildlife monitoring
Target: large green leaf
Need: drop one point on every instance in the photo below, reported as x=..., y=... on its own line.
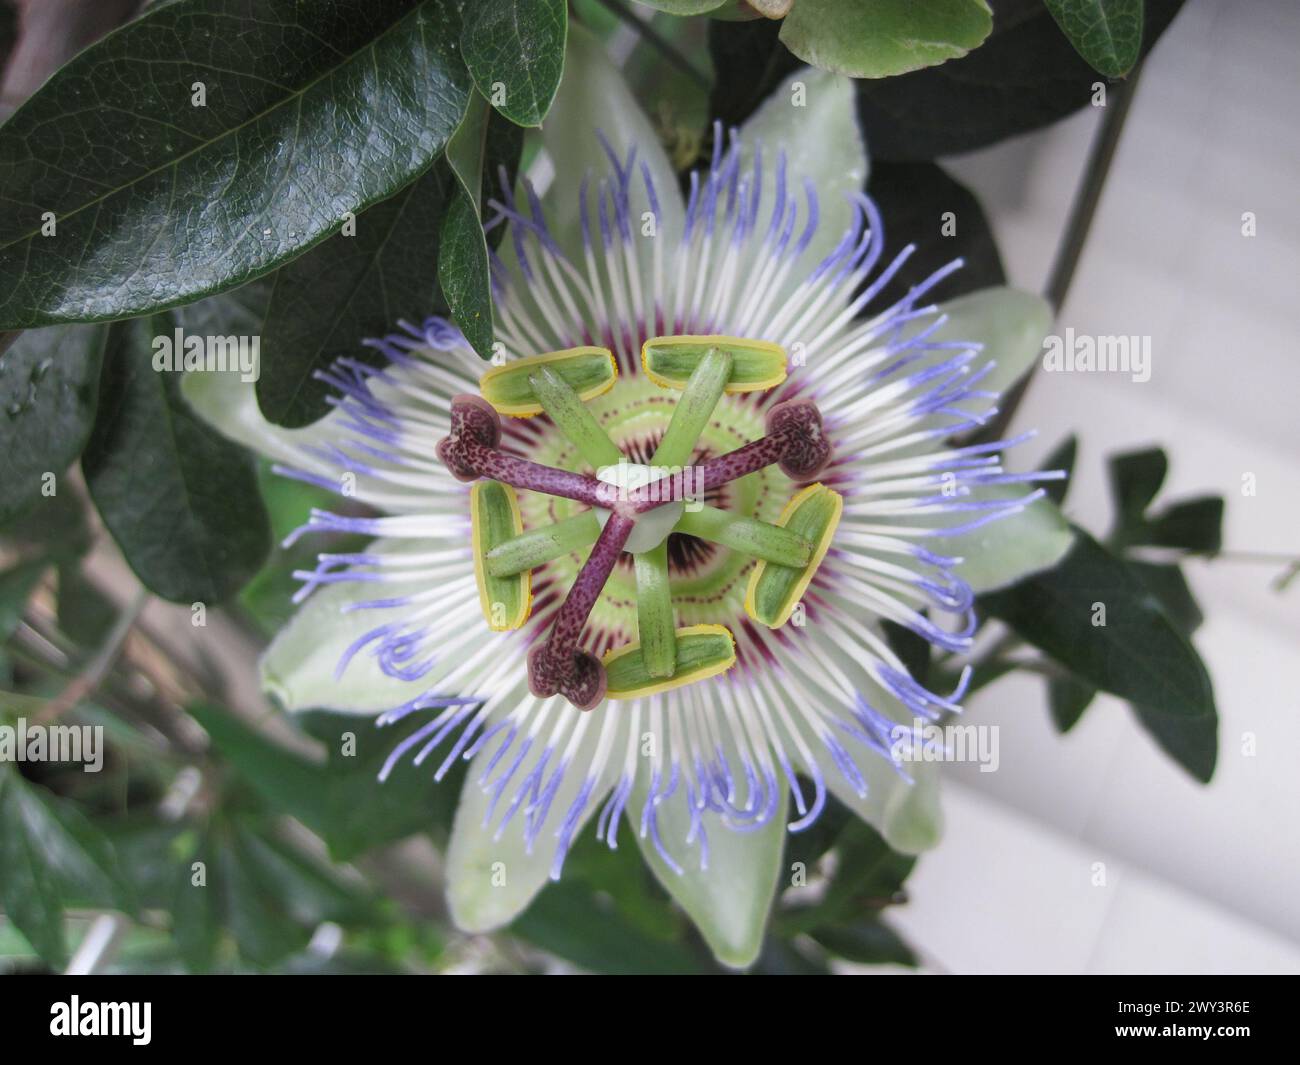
x=463, y=270
x=1107, y=33
x=49, y=385
x=51, y=855
x=310, y=112
x=515, y=52
x=882, y=38
x=1010, y=548
x=347, y=288
x=730, y=900
x=181, y=502
x=1024, y=76
x=1138, y=653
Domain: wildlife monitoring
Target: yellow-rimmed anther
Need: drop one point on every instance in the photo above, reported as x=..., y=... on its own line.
x=774, y=590
x=495, y=518
x=756, y=365
x=703, y=651
x=589, y=371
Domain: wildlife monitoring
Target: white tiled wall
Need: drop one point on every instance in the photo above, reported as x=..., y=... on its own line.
x=1198, y=878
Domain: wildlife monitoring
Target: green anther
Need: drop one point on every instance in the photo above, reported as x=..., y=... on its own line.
x=572, y=417
x=749, y=536
x=654, y=612
x=537, y=546
x=694, y=409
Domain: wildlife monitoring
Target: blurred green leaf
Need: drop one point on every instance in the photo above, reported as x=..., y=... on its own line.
x=518, y=47
x=866, y=942
x=342, y=801
x=16, y=586
x=1193, y=744
x=49, y=384
x=883, y=38
x=180, y=500
x=308, y=112
x=868, y=875
x=1138, y=654
x=1135, y=478
x=1194, y=525
x=916, y=200
x=50, y=855
x=1068, y=697
x=1107, y=33
x=1061, y=458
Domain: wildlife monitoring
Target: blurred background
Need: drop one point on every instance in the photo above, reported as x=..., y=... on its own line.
x=1196, y=878
x=1199, y=879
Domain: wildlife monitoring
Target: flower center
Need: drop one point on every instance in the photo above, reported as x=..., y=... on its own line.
x=621, y=470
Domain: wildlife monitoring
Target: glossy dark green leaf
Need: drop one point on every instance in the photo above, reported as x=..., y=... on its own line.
x=515, y=51
x=309, y=112
x=1139, y=653
x=1192, y=743
x=180, y=500
x=463, y=270
x=350, y=287
x=1107, y=33
x=883, y=38
x=49, y=387
x=749, y=61
x=870, y=942
x=1026, y=75
x=922, y=205
x=1067, y=698
x=50, y=855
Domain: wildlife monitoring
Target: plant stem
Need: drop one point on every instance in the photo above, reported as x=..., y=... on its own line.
x=1078, y=225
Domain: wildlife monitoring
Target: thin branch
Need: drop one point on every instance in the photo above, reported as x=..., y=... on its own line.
x=84, y=684
x=1079, y=224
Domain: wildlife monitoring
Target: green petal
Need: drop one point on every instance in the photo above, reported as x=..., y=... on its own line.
x=1011, y=325
x=491, y=882
x=730, y=900
x=881, y=38
x=229, y=405
x=1009, y=549
x=821, y=141
x=593, y=98
x=907, y=815
x=299, y=665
